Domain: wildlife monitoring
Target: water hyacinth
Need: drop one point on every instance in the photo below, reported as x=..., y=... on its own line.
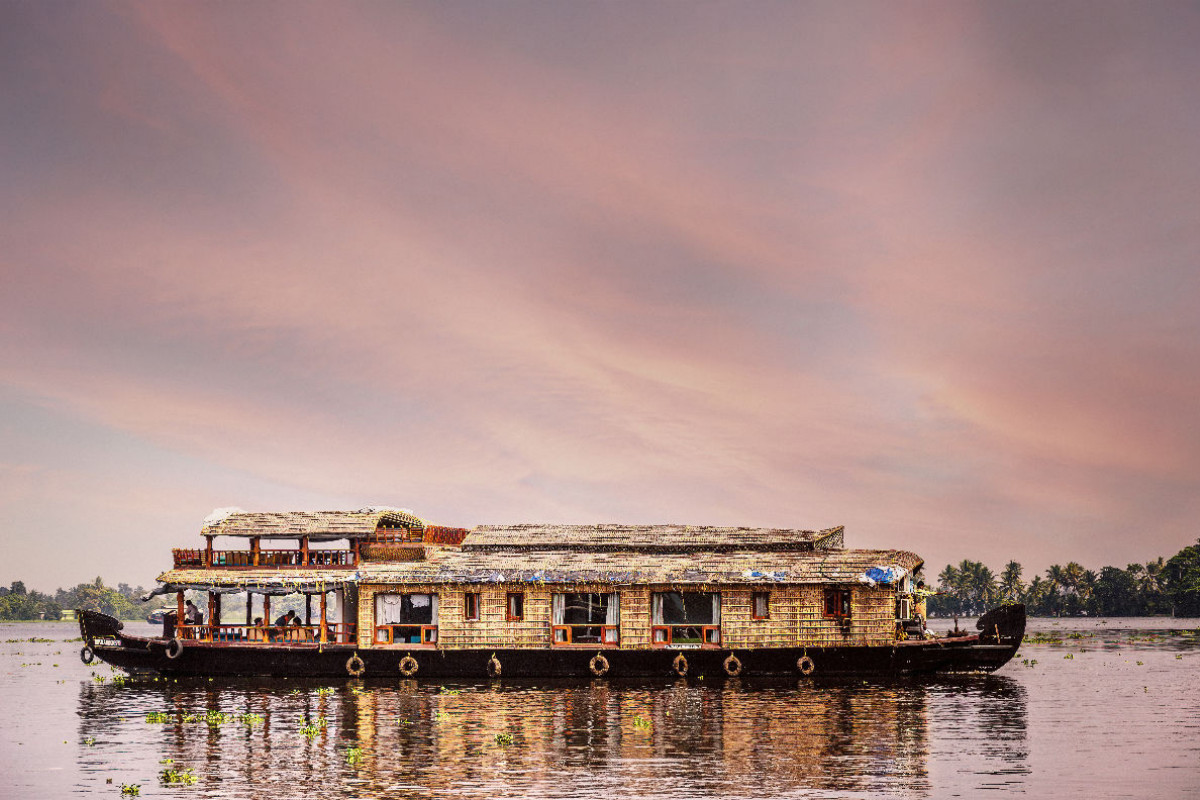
x=185, y=776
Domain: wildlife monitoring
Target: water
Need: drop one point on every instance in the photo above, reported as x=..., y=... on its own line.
x=1119, y=718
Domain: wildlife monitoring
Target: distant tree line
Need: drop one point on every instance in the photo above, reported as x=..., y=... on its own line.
x=123, y=602
x=1161, y=586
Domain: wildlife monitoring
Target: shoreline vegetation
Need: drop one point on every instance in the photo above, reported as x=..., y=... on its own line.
x=1169, y=587
x=1162, y=587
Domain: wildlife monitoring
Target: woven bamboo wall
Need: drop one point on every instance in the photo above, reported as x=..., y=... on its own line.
x=635, y=617
x=492, y=629
x=797, y=616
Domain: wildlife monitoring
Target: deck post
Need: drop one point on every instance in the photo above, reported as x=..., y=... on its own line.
x=214, y=614
x=178, y=608
x=249, y=608
x=208, y=552
x=356, y=541
x=267, y=610
x=324, y=624
x=304, y=551
x=307, y=609
x=254, y=548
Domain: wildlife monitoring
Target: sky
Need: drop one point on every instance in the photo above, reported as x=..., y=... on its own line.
x=927, y=270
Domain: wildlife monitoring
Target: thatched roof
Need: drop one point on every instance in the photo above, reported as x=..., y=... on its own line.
x=647, y=538
x=316, y=525
x=454, y=566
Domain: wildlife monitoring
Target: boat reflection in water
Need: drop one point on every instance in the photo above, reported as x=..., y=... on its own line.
x=740, y=737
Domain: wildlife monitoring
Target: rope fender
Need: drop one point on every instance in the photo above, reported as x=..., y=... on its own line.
x=598, y=665
x=408, y=665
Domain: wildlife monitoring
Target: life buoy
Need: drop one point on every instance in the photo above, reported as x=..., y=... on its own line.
x=805, y=665
x=598, y=665
x=408, y=666
x=175, y=648
x=493, y=666
x=355, y=666
x=733, y=666
x=680, y=665
x=87, y=655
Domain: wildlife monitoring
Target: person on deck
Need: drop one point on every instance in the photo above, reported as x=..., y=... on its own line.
x=192, y=615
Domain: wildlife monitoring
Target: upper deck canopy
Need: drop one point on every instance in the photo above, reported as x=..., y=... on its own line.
x=316, y=525
x=648, y=539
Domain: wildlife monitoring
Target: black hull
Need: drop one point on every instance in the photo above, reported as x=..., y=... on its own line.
x=983, y=652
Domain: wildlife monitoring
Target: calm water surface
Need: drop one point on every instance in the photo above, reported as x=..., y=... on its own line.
x=1095, y=708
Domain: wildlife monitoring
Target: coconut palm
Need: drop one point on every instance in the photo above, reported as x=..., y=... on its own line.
x=1010, y=586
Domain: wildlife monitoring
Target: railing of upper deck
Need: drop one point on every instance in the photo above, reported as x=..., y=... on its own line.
x=263, y=558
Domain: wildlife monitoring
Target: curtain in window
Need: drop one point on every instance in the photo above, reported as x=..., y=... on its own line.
x=612, y=615
x=558, y=608
x=716, y=615
x=433, y=605
x=388, y=609
x=656, y=608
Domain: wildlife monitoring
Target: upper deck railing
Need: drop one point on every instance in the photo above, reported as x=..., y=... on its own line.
x=201, y=558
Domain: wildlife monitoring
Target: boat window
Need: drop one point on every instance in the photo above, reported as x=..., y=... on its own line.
x=837, y=602
x=471, y=606
x=586, y=617
x=688, y=619
x=406, y=609
x=516, y=606
x=406, y=618
x=761, y=605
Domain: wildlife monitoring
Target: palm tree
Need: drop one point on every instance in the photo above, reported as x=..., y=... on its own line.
x=1011, y=587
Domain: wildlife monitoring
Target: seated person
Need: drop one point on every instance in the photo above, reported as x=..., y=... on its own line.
x=192, y=615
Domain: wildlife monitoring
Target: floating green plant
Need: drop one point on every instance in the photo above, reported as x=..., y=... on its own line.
x=157, y=717
x=324, y=690
x=312, y=729
x=132, y=789
x=504, y=738
x=642, y=724
x=251, y=719
x=185, y=776
x=1069, y=656
x=353, y=755
x=90, y=741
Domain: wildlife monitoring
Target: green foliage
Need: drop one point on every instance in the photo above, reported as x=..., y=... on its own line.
x=1155, y=587
x=185, y=776
x=18, y=603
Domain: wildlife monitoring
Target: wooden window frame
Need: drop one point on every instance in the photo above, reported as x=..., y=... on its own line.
x=467, y=599
x=766, y=597
x=840, y=599
x=508, y=607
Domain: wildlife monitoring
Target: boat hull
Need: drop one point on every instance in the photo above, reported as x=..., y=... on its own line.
x=986, y=651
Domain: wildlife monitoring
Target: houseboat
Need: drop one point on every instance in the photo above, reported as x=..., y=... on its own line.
x=380, y=592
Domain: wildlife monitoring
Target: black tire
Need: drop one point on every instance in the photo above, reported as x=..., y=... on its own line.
x=87, y=655
x=805, y=665
x=680, y=665
x=355, y=666
x=733, y=666
x=175, y=648
x=493, y=667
